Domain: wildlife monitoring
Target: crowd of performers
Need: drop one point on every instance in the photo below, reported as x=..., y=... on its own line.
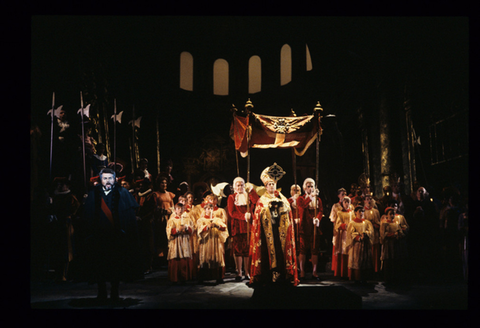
x=269, y=239
x=123, y=228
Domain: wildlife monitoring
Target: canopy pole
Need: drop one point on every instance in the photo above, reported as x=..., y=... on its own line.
x=234, y=111
x=294, y=161
x=317, y=110
x=248, y=107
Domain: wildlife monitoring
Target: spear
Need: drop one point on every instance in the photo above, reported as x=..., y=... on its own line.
x=51, y=135
x=115, y=134
x=116, y=117
x=134, y=166
x=158, y=144
x=83, y=142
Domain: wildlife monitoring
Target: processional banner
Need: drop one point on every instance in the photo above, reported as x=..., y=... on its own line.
x=298, y=132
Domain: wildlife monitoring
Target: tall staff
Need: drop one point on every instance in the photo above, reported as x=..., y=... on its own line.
x=133, y=141
x=158, y=144
x=294, y=160
x=318, y=110
x=115, y=134
x=116, y=117
x=248, y=107
x=234, y=112
x=83, y=142
x=51, y=135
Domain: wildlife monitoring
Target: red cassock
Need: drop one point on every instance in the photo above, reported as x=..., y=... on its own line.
x=306, y=227
x=239, y=228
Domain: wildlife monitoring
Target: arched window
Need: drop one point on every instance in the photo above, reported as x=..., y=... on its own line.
x=186, y=71
x=285, y=64
x=254, y=74
x=308, y=59
x=220, y=77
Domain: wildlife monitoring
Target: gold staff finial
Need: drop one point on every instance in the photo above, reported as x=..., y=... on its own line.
x=318, y=107
x=249, y=104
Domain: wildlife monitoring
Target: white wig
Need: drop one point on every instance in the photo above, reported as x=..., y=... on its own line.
x=238, y=179
x=295, y=186
x=306, y=181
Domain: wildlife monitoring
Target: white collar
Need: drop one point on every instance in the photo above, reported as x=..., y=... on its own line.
x=101, y=157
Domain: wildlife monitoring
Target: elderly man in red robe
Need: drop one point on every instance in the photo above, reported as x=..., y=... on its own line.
x=311, y=212
x=240, y=206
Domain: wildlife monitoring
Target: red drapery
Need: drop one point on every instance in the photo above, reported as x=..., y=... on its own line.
x=298, y=132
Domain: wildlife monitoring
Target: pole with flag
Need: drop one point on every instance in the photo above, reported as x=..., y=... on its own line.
x=234, y=112
x=135, y=153
x=116, y=117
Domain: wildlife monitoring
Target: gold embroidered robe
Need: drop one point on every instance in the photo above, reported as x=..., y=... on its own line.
x=211, y=248
x=179, y=244
x=262, y=224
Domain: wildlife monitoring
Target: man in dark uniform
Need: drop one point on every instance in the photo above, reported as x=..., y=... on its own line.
x=113, y=235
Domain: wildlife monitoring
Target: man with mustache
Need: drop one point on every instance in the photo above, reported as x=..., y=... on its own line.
x=113, y=242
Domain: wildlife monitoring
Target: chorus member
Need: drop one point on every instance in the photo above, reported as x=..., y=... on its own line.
x=463, y=231
x=402, y=243
x=212, y=234
x=99, y=159
x=147, y=202
x=240, y=206
x=424, y=249
x=373, y=215
x=359, y=246
x=164, y=210
x=218, y=212
x=65, y=207
x=196, y=211
x=189, y=209
x=311, y=212
x=337, y=207
x=390, y=232
x=179, y=232
x=344, y=217
x=188, y=201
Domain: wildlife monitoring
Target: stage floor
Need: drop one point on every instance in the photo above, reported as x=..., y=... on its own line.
x=156, y=292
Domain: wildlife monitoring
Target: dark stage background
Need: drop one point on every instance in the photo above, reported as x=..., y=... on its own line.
x=375, y=77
